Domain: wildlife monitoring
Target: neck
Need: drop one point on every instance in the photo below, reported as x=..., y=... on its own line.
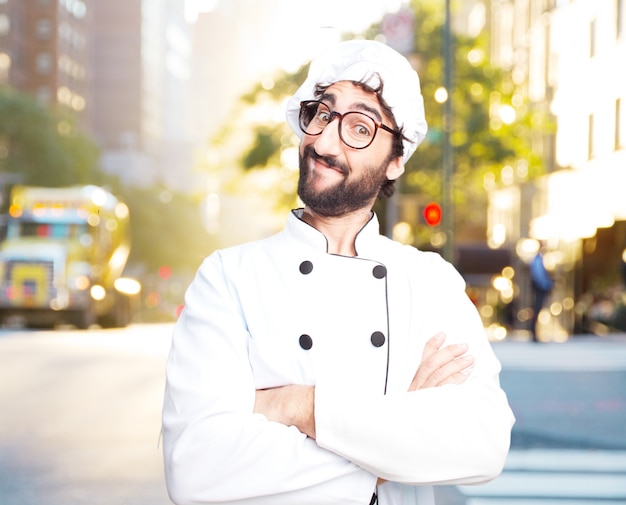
x=340, y=232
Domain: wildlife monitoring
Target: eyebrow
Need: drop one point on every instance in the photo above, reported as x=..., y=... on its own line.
x=360, y=106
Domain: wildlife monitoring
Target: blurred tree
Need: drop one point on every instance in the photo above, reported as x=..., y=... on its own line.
x=257, y=148
x=265, y=145
x=167, y=236
x=492, y=131
x=167, y=229
x=492, y=123
x=43, y=146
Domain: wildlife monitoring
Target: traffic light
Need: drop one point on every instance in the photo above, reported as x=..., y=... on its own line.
x=432, y=214
x=165, y=272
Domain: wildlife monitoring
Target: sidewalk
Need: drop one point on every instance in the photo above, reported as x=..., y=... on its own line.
x=566, y=395
x=579, y=352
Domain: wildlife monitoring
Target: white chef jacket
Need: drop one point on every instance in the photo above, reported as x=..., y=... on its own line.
x=283, y=311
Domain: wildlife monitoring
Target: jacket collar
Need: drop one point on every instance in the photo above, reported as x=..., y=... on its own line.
x=304, y=232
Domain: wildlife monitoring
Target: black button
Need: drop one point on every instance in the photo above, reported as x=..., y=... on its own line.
x=377, y=338
x=306, y=342
x=379, y=271
x=306, y=267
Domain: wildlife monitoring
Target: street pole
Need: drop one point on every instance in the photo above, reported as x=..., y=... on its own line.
x=448, y=168
x=399, y=30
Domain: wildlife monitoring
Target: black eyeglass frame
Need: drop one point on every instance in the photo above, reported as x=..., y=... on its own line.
x=334, y=114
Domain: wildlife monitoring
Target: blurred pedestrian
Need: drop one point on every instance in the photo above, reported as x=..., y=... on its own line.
x=542, y=284
x=328, y=364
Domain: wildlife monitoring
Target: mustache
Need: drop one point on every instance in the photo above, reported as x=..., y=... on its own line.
x=309, y=151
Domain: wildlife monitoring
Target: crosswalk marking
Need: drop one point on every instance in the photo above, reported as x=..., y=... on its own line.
x=582, y=356
x=552, y=485
x=534, y=501
x=554, y=477
x=547, y=460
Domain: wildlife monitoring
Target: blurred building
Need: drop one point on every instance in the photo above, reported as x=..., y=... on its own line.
x=240, y=43
x=141, y=79
x=45, y=50
x=123, y=68
x=568, y=58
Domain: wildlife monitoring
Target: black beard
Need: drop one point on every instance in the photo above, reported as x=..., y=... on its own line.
x=344, y=197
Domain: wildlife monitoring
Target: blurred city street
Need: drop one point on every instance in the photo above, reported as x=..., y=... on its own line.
x=80, y=417
x=569, y=440
x=81, y=420
x=137, y=138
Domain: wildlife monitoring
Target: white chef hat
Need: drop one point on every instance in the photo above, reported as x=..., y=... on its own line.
x=361, y=60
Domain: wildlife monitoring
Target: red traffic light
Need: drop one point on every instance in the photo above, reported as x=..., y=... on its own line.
x=165, y=272
x=432, y=214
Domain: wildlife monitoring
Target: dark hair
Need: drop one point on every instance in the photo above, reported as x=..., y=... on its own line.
x=397, y=146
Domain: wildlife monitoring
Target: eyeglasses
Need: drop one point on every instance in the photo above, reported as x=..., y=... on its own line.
x=356, y=130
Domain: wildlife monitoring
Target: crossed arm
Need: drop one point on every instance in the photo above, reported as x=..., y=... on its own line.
x=293, y=405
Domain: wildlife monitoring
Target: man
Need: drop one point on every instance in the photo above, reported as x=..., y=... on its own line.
x=328, y=364
x=542, y=284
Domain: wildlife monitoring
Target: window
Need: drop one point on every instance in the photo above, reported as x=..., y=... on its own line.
x=44, y=29
x=43, y=63
x=618, y=123
x=592, y=39
x=44, y=95
x=590, y=146
x=5, y=24
x=77, y=8
x=5, y=65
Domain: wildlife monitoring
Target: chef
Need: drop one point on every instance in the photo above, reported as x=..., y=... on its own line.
x=328, y=364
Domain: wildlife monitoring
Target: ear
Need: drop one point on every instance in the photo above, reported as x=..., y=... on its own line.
x=395, y=168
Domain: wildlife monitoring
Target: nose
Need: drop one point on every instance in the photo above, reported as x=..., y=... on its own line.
x=328, y=142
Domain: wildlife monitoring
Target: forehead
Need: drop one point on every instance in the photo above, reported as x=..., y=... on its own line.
x=345, y=96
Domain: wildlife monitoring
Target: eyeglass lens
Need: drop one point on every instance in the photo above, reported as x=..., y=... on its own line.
x=356, y=129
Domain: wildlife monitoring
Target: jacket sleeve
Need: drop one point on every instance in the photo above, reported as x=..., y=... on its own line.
x=216, y=450
x=453, y=434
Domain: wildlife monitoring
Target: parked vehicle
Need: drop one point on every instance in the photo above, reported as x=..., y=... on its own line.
x=63, y=258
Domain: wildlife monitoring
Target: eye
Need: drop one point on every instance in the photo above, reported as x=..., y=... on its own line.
x=362, y=130
x=322, y=116
x=359, y=125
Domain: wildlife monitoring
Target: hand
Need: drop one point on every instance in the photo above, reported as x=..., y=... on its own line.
x=442, y=365
x=291, y=405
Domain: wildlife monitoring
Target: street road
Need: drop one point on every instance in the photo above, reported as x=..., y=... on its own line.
x=80, y=420
x=569, y=440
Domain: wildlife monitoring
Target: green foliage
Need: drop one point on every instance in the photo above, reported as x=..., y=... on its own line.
x=481, y=143
x=167, y=229
x=41, y=146
x=266, y=144
x=284, y=84
x=246, y=154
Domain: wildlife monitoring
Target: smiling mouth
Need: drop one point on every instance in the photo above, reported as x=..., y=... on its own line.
x=326, y=162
